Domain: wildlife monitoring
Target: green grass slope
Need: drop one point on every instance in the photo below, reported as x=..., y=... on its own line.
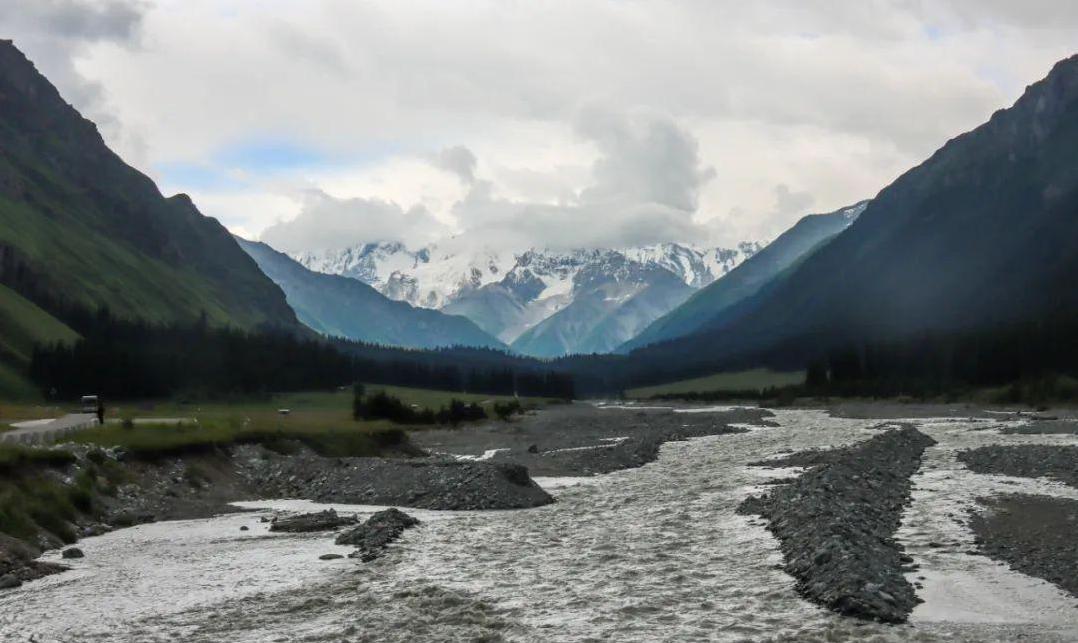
x=79, y=227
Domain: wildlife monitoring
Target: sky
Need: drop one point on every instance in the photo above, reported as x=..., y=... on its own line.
x=321, y=124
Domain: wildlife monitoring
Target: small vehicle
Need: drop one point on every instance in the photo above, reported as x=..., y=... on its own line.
x=88, y=404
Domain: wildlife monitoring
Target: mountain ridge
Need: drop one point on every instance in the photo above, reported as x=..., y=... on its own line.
x=992, y=197
x=338, y=306
x=81, y=228
x=747, y=278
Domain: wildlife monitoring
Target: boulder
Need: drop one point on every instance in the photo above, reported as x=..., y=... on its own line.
x=374, y=535
x=9, y=581
x=318, y=521
x=72, y=552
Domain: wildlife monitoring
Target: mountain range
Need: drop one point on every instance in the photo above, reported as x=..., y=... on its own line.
x=540, y=302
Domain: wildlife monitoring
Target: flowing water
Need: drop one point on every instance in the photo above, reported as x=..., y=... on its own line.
x=654, y=553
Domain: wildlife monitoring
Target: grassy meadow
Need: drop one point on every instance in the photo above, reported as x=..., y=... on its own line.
x=753, y=380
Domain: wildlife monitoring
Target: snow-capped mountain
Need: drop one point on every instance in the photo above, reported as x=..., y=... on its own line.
x=537, y=292
x=430, y=277
x=434, y=276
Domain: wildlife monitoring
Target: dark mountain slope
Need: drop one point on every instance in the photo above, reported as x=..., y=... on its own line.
x=705, y=307
x=80, y=228
x=983, y=234
x=344, y=307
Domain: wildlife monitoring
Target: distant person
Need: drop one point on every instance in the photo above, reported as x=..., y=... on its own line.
x=100, y=412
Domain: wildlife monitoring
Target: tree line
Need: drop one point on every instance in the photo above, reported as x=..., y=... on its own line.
x=136, y=359
x=1023, y=354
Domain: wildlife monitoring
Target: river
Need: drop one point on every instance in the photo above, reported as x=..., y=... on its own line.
x=646, y=554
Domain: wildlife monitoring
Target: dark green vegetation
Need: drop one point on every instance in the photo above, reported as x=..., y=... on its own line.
x=133, y=360
x=751, y=382
x=706, y=306
x=958, y=274
x=382, y=406
x=338, y=306
x=154, y=441
x=34, y=496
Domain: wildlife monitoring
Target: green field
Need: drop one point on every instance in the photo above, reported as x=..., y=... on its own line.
x=321, y=420
x=754, y=380
x=312, y=406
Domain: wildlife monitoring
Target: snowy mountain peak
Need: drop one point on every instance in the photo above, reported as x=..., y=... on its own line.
x=433, y=277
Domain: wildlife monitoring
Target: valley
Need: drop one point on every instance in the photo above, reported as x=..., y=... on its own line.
x=566, y=322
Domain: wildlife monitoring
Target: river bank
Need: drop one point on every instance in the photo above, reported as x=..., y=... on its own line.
x=656, y=551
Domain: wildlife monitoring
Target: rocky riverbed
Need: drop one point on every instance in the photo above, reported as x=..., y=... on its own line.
x=650, y=552
x=584, y=439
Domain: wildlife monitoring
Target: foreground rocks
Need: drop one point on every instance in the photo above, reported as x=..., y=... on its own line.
x=327, y=520
x=1025, y=460
x=1033, y=534
x=422, y=483
x=835, y=525
x=17, y=564
x=378, y=532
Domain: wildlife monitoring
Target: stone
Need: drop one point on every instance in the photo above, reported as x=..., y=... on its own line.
x=8, y=581
x=72, y=552
x=318, y=521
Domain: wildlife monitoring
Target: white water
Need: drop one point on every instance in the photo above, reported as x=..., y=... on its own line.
x=655, y=553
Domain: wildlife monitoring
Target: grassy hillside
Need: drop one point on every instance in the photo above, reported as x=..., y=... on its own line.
x=22, y=324
x=81, y=228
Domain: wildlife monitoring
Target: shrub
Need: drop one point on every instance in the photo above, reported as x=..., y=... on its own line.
x=505, y=411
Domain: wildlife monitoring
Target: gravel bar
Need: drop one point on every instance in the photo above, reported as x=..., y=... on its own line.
x=1025, y=461
x=1033, y=534
x=835, y=525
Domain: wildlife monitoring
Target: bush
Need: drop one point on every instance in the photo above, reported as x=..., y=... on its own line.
x=16, y=459
x=505, y=411
x=460, y=412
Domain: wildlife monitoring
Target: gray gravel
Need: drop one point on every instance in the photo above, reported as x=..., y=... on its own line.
x=1033, y=534
x=581, y=439
x=424, y=483
x=835, y=524
x=1026, y=461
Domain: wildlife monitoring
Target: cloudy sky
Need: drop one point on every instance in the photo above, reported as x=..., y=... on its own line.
x=324, y=123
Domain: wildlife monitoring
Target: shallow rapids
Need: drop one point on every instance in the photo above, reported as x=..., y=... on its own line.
x=646, y=554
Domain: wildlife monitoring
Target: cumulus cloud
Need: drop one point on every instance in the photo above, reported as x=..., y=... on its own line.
x=643, y=188
x=457, y=160
x=326, y=222
x=833, y=99
x=643, y=159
